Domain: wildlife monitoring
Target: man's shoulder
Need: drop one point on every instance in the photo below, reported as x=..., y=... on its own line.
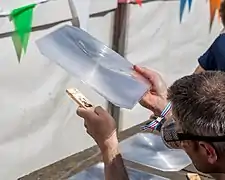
x=220, y=39
x=219, y=43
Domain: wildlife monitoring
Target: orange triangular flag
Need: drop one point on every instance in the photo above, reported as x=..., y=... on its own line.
x=214, y=6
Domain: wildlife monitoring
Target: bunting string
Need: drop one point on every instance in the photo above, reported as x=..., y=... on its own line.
x=21, y=18
x=6, y=13
x=214, y=6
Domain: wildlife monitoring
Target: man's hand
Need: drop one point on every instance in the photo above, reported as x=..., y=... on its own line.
x=100, y=126
x=156, y=98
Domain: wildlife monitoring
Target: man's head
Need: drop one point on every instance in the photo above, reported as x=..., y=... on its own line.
x=198, y=105
x=222, y=12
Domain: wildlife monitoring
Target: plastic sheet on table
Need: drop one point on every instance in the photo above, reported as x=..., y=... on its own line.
x=96, y=172
x=149, y=150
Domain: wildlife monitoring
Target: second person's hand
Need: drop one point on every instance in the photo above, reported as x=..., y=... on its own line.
x=156, y=98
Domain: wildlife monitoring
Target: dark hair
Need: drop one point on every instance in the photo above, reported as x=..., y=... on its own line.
x=222, y=12
x=198, y=103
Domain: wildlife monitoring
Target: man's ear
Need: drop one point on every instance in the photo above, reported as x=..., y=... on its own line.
x=208, y=151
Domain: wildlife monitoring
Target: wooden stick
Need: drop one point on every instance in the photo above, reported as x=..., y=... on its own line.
x=79, y=98
x=192, y=176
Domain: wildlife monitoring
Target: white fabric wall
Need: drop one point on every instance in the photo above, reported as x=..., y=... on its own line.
x=156, y=39
x=38, y=125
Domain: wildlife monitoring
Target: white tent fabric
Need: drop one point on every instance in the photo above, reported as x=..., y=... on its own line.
x=156, y=39
x=38, y=125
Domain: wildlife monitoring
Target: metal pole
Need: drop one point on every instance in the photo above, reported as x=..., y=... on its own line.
x=118, y=45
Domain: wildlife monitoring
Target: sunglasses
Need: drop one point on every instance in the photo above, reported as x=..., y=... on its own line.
x=186, y=136
x=173, y=138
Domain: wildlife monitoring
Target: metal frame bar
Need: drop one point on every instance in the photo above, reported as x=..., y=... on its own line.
x=118, y=45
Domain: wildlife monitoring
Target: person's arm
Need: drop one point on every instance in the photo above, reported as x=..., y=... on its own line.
x=114, y=165
x=207, y=62
x=102, y=128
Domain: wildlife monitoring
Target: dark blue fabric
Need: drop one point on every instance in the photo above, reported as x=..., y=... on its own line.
x=214, y=57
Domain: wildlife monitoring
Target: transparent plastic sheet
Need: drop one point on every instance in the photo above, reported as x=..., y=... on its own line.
x=151, y=151
x=86, y=58
x=96, y=172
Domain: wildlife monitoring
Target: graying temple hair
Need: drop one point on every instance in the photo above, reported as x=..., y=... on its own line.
x=198, y=103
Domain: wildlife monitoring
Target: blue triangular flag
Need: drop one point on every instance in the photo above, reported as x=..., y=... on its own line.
x=182, y=6
x=190, y=3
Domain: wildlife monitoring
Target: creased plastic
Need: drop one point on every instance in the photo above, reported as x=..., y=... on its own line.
x=86, y=58
x=152, y=152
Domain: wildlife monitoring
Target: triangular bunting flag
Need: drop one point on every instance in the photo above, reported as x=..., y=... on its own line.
x=190, y=3
x=182, y=6
x=214, y=6
x=22, y=20
x=139, y=2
